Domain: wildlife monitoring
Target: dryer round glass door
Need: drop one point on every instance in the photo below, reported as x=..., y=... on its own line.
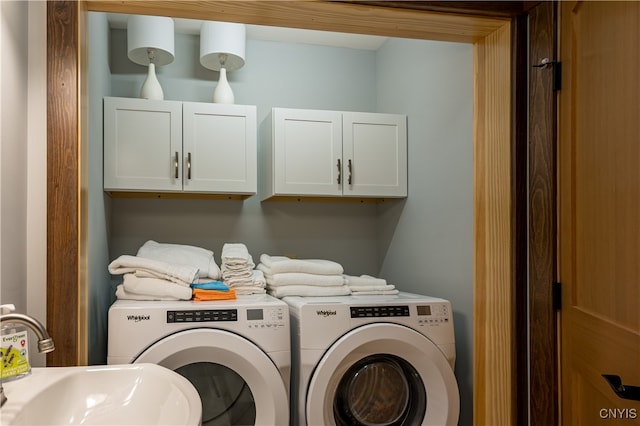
x=383, y=374
x=226, y=397
x=380, y=389
x=237, y=382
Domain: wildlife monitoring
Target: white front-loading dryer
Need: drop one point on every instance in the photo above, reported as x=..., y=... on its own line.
x=373, y=360
x=236, y=353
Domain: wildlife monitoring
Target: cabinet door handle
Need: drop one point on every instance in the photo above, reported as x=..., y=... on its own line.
x=189, y=166
x=177, y=164
x=339, y=172
x=350, y=172
x=623, y=391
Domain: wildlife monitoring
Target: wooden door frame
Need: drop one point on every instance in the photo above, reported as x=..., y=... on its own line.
x=542, y=220
x=496, y=247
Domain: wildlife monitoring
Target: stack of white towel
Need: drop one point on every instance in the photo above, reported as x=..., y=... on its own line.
x=238, y=270
x=302, y=277
x=369, y=285
x=163, y=271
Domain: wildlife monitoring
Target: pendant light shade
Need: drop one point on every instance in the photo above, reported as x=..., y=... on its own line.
x=222, y=48
x=150, y=41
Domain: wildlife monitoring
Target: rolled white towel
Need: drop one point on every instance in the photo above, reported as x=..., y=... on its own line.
x=301, y=278
x=308, y=290
x=179, y=274
x=155, y=287
x=365, y=280
x=121, y=293
x=182, y=254
x=281, y=264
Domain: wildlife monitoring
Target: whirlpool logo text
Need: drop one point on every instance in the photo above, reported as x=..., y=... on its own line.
x=325, y=313
x=138, y=318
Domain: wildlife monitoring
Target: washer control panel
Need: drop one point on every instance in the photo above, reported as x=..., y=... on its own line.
x=208, y=315
x=266, y=318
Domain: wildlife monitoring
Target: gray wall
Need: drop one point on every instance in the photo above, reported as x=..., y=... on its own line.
x=426, y=242
x=13, y=154
x=422, y=244
x=23, y=163
x=99, y=204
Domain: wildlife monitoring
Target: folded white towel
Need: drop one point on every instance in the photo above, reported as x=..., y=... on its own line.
x=300, y=278
x=250, y=290
x=243, y=273
x=307, y=290
x=361, y=288
x=238, y=282
x=181, y=254
x=258, y=278
x=281, y=264
x=374, y=292
x=179, y=274
x=236, y=254
x=121, y=293
x=365, y=280
x=155, y=287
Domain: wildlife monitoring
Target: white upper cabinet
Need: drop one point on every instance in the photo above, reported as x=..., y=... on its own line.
x=171, y=146
x=374, y=153
x=219, y=145
x=142, y=145
x=334, y=154
x=307, y=152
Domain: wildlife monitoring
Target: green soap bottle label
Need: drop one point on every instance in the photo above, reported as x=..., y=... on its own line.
x=14, y=353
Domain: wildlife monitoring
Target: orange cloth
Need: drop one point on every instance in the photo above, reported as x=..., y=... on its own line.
x=199, y=294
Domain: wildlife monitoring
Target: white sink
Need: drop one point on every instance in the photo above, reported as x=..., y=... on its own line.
x=129, y=394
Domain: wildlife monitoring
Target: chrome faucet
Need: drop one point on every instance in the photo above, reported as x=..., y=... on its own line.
x=45, y=342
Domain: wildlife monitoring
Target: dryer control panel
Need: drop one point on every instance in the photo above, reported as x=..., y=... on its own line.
x=433, y=314
x=379, y=311
x=208, y=315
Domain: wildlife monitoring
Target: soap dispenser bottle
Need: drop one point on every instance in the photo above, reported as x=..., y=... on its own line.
x=14, y=349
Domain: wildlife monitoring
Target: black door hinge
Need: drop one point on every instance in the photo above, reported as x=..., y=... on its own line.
x=557, y=71
x=556, y=295
x=557, y=76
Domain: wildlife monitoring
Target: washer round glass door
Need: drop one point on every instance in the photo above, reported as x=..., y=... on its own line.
x=237, y=382
x=380, y=375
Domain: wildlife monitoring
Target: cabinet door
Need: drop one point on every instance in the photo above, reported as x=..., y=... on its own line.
x=374, y=155
x=142, y=145
x=219, y=148
x=307, y=152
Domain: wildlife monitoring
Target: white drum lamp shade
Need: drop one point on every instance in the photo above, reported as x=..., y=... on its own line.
x=150, y=41
x=222, y=48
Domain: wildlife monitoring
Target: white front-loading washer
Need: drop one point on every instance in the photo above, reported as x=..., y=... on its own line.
x=236, y=353
x=372, y=360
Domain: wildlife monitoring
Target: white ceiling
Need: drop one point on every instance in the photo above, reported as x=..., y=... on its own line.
x=290, y=35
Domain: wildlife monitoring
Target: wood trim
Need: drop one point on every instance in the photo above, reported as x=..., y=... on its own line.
x=83, y=188
x=520, y=193
x=480, y=308
x=62, y=182
x=494, y=398
x=320, y=15
x=484, y=8
x=542, y=222
x=494, y=345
